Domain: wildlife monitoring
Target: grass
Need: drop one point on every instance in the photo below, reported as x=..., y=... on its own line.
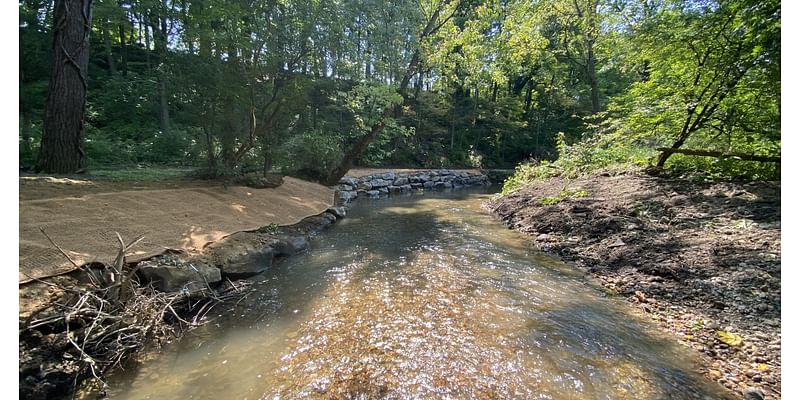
x=565, y=194
x=151, y=173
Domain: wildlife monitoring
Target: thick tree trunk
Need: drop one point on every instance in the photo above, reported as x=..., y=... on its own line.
x=62, y=139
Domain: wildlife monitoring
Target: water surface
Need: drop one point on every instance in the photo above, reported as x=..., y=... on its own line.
x=421, y=297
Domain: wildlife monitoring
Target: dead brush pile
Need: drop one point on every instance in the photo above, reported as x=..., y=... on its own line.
x=99, y=324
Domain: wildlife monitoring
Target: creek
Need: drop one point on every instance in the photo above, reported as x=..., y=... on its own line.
x=421, y=297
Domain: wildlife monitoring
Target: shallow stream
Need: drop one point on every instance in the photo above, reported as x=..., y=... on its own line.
x=421, y=297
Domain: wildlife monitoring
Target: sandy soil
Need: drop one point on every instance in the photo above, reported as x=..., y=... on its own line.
x=83, y=217
x=701, y=259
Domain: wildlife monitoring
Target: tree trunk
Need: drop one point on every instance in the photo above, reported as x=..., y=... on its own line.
x=112, y=66
x=123, y=47
x=62, y=139
x=591, y=72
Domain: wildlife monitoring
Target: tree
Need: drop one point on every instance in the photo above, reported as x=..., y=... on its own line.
x=61, y=150
x=438, y=14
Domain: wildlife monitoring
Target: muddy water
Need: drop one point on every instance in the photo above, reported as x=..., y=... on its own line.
x=421, y=297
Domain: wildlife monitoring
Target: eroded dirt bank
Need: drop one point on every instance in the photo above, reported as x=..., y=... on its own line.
x=701, y=259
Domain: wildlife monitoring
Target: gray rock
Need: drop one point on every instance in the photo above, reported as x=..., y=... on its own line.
x=390, y=176
x=338, y=212
x=752, y=393
x=394, y=189
x=241, y=263
x=384, y=190
x=170, y=278
x=405, y=188
x=290, y=246
x=400, y=181
x=349, y=180
x=416, y=185
x=347, y=196
x=427, y=185
x=365, y=185
x=373, y=193
x=379, y=183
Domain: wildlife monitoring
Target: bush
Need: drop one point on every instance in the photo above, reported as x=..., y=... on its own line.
x=312, y=154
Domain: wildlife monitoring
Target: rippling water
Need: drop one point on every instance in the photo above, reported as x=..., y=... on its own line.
x=421, y=297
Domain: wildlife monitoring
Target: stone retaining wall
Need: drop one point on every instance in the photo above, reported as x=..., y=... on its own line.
x=392, y=183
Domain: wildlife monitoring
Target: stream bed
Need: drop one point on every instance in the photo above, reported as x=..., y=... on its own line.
x=421, y=297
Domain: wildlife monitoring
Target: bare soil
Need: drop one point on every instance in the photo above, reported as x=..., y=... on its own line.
x=701, y=259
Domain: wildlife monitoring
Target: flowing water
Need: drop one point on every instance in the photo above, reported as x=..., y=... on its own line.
x=421, y=297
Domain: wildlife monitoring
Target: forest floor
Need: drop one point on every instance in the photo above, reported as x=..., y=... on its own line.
x=703, y=260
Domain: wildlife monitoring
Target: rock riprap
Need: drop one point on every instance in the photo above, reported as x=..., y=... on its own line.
x=393, y=183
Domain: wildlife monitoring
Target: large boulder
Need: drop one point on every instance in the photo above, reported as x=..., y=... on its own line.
x=179, y=276
x=290, y=246
x=242, y=262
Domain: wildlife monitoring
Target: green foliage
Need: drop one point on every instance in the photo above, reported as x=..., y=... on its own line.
x=293, y=85
x=312, y=154
x=600, y=152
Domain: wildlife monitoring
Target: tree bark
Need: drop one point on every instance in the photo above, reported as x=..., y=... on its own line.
x=61, y=150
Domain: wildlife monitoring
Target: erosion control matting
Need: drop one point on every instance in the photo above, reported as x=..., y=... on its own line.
x=180, y=218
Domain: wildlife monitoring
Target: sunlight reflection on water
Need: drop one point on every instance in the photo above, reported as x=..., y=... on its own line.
x=419, y=298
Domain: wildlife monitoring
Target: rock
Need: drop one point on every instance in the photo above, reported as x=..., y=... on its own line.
x=329, y=217
x=618, y=243
x=365, y=186
x=405, y=188
x=678, y=200
x=171, y=278
x=347, y=196
x=290, y=246
x=400, y=181
x=389, y=176
x=543, y=237
x=338, y=212
x=394, y=189
x=762, y=307
x=384, y=190
x=242, y=262
x=348, y=180
x=427, y=185
x=373, y=193
x=379, y=183
x=752, y=393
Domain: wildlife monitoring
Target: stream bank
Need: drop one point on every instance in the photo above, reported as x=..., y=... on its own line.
x=52, y=367
x=702, y=259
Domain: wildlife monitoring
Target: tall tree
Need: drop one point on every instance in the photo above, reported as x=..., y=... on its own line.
x=439, y=13
x=61, y=150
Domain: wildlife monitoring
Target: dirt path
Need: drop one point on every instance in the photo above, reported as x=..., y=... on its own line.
x=82, y=217
x=701, y=259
